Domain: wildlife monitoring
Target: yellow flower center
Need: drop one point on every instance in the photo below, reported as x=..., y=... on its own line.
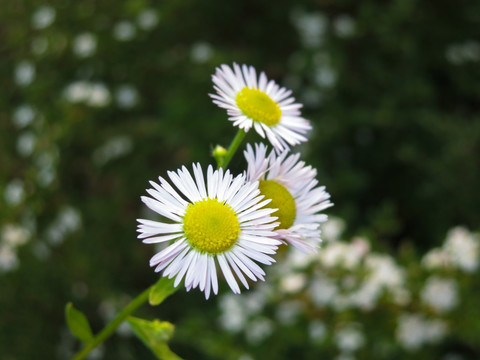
x=211, y=226
x=258, y=106
x=281, y=200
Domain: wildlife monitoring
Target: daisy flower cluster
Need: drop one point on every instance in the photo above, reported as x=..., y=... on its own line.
x=227, y=226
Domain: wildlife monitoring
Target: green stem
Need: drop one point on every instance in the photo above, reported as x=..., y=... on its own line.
x=114, y=324
x=237, y=140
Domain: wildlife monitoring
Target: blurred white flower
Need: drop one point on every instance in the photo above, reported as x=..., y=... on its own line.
x=288, y=311
x=382, y=274
x=384, y=270
x=69, y=219
x=43, y=17
x=99, y=95
x=293, y=283
x=232, y=316
x=440, y=294
x=23, y=116
x=311, y=28
x=124, y=31
x=258, y=330
x=401, y=296
x=201, y=52
x=322, y=290
x=333, y=254
x=14, y=235
x=126, y=96
x=413, y=330
x=254, y=302
x=112, y=149
x=84, y=45
x=14, y=192
x=349, y=338
x=299, y=260
x=92, y=94
x=325, y=76
x=67, y=222
x=147, y=19
x=365, y=297
x=8, y=259
x=333, y=229
x=436, y=259
x=460, y=53
x=26, y=143
x=344, y=254
x=46, y=158
x=462, y=248
x=317, y=330
x=344, y=26
x=124, y=330
x=77, y=91
x=24, y=73
x=46, y=175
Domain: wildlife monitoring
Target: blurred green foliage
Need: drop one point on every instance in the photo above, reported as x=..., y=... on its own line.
x=391, y=88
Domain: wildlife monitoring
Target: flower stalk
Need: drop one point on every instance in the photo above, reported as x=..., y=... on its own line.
x=223, y=158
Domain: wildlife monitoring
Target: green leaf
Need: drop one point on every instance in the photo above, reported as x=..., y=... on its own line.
x=78, y=323
x=161, y=290
x=154, y=335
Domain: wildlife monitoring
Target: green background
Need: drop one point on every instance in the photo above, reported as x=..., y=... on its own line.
x=391, y=88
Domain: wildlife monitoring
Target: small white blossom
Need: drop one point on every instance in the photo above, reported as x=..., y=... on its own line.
x=293, y=283
x=258, y=330
x=462, y=248
x=112, y=149
x=126, y=96
x=201, y=52
x=322, y=291
x=124, y=31
x=317, y=330
x=43, y=17
x=233, y=317
x=288, y=311
x=344, y=26
x=349, y=338
x=26, y=143
x=147, y=19
x=99, y=95
x=311, y=28
x=14, y=235
x=333, y=229
x=84, y=45
x=23, y=116
x=24, y=73
x=413, y=330
x=14, y=192
x=8, y=259
x=440, y=294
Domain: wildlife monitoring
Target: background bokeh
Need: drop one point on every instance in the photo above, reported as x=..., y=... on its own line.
x=98, y=97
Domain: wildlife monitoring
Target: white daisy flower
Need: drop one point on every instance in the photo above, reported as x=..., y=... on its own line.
x=293, y=189
x=221, y=221
x=260, y=103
